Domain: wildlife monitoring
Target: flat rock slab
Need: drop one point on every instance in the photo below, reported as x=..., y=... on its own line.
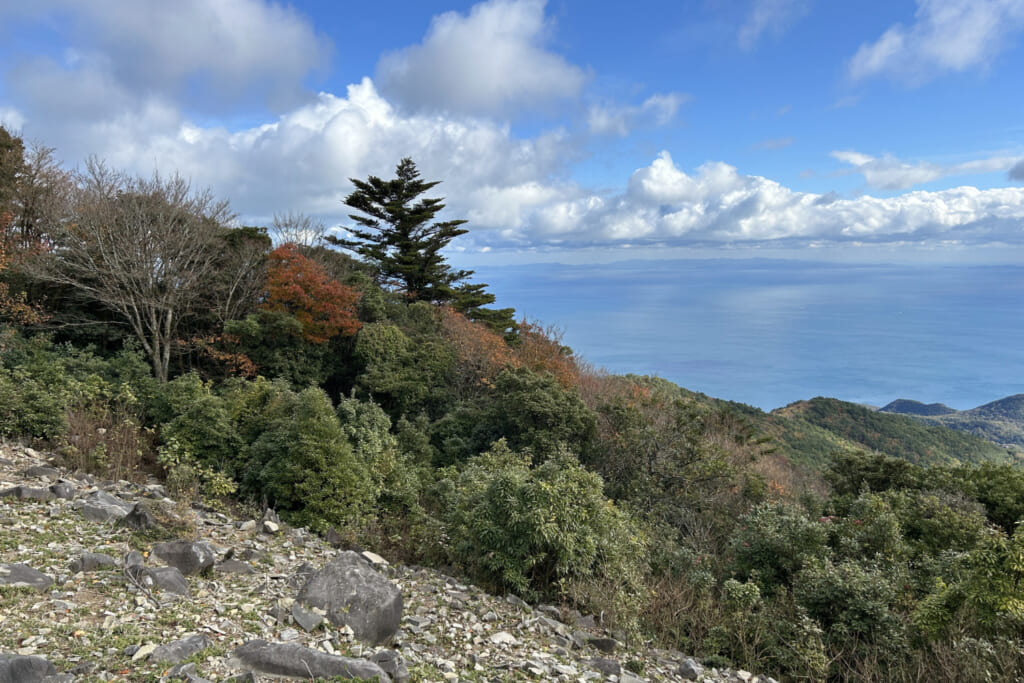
x=22, y=669
x=189, y=557
x=179, y=650
x=282, y=659
x=24, y=575
x=27, y=493
x=42, y=471
x=354, y=594
x=234, y=567
x=305, y=618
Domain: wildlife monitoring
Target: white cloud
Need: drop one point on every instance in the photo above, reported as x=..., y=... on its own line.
x=774, y=16
x=658, y=110
x=489, y=62
x=890, y=173
x=663, y=206
x=194, y=49
x=947, y=35
x=11, y=118
x=303, y=160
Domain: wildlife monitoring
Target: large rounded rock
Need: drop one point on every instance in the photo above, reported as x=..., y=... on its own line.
x=23, y=669
x=355, y=594
x=189, y=557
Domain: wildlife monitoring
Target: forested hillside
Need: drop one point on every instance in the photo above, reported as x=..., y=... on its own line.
x=362, y=387
x=1000, y=422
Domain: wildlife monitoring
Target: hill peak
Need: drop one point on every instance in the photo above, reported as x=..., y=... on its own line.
x=905, y=406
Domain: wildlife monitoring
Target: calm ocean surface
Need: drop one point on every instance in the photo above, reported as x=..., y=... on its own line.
x=768, y=333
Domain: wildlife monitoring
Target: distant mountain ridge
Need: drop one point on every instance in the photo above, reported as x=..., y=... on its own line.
x=810, y=432
x=1001, y=421
x=904, y=406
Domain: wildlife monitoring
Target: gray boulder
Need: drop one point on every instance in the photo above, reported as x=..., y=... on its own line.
x=189, y=557
x=609, y=667
x=606, y=645
x=100, y=506
x=167, y=579
x=283, y=659
x=90, y=562
x=23, y=669
x=63, y=489
x=179, y=650
x=690, y=669
x=141, y=517
x=355, y=594
x=24, y=575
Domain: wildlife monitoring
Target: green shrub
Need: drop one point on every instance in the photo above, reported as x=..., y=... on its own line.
x=28, y=408
x=870, y=530
x=186, y=477
x=545, y=532
x=304, y=466
x=774, y=541
x=849, y=599
x=200, y=424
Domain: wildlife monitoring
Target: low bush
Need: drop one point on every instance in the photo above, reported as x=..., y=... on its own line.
x=546, y=532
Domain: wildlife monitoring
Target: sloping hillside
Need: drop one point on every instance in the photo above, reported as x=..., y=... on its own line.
x=896, y=435
x=1001, y=422
x=809, y=432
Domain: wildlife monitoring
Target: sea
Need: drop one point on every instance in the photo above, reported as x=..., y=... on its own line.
x=770, y=332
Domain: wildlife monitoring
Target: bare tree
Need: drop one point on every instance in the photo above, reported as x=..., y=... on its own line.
x=242, y=273
x=45, y=191
x=143, y=247
x=297, y=228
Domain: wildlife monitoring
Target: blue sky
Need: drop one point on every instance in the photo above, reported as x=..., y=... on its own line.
x=569, y=130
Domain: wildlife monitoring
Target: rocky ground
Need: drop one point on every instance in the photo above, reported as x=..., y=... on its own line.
x=112, y=581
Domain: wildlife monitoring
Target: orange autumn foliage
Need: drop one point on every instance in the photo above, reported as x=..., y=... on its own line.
x=481, y=354
x=541, y=350
x=300, y=287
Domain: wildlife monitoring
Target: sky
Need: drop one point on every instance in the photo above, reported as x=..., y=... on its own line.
x=568, y=130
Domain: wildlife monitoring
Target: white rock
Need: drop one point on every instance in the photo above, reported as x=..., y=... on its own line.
x=143, y=652
x=503, y=637
x=374, y=558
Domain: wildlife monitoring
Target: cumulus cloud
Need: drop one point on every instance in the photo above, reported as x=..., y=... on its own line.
x=947, y=35
x=303, y=160
x=664, y=206
x=487, y=62
x=773, y=16
x=1017, y=172
x=890, y=173
x=202, y=51
x=658, y=110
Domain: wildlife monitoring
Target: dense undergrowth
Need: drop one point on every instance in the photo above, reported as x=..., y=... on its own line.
x=441, y=433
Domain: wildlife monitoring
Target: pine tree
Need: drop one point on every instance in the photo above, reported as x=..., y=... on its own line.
x=397, y=233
